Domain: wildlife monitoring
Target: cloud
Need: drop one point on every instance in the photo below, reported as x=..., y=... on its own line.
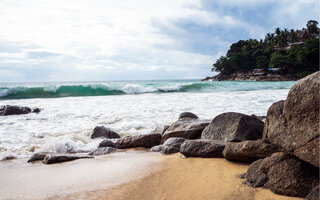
x=106, y=40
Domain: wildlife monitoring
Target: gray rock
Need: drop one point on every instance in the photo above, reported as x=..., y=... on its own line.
x=146, y=141
x=50, y=159
x=157, y=148
x=37, y=156
x=101, y=131
x=202, y=148
x=172, y=145
x=16, y=110
x=188, y=128
x=294, y=123
x=188, y=115
x=233, y=127
x=102, y=151
x=160, y=130
x=250, y=150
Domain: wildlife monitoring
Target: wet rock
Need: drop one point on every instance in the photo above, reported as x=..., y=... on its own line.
x=50, y=159
x=309, y=152
x=172, y=145
x=314, y=194
x=283, y=174
x=188, y=115
x=101, y=131
x=10, y=157
x=37, y=156
x=233, y=127
x=249, y=150
x=16, y=110
x=102, y=151
x=188, y=128
x=160, y=130
x=146, y=141
x=294, y=123
x=202, y=148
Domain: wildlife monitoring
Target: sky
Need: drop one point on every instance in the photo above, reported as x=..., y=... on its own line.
x=101, y=40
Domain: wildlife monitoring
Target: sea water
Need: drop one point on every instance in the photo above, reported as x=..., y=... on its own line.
x=70, y=110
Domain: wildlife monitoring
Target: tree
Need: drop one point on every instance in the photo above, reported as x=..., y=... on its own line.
x=312, y=27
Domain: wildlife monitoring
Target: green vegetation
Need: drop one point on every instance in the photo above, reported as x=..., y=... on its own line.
x=293, y=52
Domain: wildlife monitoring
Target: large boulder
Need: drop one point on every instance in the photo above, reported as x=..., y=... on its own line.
x=171, y=145
x=146, y=141
x=283, y=174
x=250, y=150
x=50, y=158
x=294, y=123
x=101, y=131
x=16, y=110
x=233, y=127
x=185, y=127
x=314, y=194
x=202, y=148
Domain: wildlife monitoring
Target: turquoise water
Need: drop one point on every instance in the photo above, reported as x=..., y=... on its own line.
x=74, y=89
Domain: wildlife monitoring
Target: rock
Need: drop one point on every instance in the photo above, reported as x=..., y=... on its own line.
x=233, y=127
x=160, y=130
x=309, y=152
x=50, y=159
x=314, y=194
x=188, y=128
x=188, y=115
x=37, y=156
x=106, y=143
x=202, y=148
x=102, y=151
x=16, y=110
x=101, y=131
x=249, y=150
x=283, y=174
x=295, y=124
x=146, y=141
x=172, y=145
x=273, y=115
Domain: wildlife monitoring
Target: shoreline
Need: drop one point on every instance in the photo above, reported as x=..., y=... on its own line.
x=136, y=174
x=250, y=77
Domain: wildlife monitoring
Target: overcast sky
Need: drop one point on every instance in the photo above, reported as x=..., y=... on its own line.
x=77, y=40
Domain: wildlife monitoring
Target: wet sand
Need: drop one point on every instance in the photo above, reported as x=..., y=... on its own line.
x=183, y=179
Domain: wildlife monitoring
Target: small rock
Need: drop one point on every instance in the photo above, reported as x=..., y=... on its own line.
x=101, y=131
x=106, y=143
x=146, y=141
x=14, y=110
x=188, y=115
x=37, y=156
x=172, y=145
x=160, y=130
x=102, y=151
x=202, y=148
x=50, y=159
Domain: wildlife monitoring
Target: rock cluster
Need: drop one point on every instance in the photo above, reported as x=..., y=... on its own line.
x=17, y=110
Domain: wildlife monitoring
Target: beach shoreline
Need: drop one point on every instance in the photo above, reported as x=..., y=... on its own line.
x=133, y=174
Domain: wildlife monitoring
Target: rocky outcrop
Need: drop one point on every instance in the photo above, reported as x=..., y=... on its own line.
x=102, y=151
x=146, y=141
x=294, y=123
x=50, y=158
x=283, y=174
x=202, y=148
x=16, y=110
x=37, y=156
x=314, y=194
x=171, y=145
x=101, y=131
x=185, y=127
x=250, y=77
x=233, y=127
x=250, y=150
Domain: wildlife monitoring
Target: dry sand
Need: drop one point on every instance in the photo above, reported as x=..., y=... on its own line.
x=191, y=178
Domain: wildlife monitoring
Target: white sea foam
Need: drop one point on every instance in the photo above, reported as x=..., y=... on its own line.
x=65, y=124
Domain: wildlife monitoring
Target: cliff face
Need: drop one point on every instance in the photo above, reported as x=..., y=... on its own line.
x=250, y=77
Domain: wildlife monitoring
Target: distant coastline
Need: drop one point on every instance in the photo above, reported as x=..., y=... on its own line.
x=251, y=77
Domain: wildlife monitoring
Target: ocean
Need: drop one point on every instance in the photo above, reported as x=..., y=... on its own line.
x=70, y=110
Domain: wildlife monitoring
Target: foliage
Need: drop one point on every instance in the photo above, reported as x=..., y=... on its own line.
x=292, y=51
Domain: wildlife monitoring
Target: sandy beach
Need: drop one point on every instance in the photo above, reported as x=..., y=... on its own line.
x=133, y=174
